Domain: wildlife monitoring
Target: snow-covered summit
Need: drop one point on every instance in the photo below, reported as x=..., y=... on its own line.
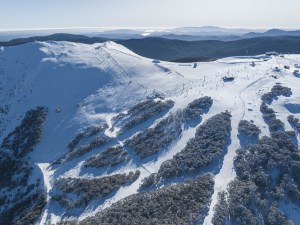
x=99, y=96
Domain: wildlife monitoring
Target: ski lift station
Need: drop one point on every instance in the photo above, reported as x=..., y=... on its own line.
x=272, y=53
x=228, y=79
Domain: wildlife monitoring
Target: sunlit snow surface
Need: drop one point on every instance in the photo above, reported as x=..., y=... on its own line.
x=90, y=84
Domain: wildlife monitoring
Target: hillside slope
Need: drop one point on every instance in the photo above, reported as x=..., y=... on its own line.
x=98, y=134
x=184, y=51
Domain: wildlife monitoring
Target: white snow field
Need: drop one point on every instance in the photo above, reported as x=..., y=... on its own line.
x=86, y=85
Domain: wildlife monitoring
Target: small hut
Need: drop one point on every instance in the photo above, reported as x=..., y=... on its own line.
x=227, y=79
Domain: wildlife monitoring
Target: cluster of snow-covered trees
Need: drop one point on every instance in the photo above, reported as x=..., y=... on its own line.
x=84, y=148
x=182, y=203
x=152, y=110
x=27, y=134
x=82, y=135
x=269, y=117
x=87, y=190
x=248, y=133
x=142, y=106
x=275, y=92
x=85, y=141
x=152, y=140
x=110, y=157
x=248, y=129
x=22, y=198
x=269, y=114
x=207, y=147
x=140, y=113
x=267, y=174
x=221, y=210
x=194, y=109
x=294, y=122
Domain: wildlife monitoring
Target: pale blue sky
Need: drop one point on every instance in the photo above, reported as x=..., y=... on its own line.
x=25, y=14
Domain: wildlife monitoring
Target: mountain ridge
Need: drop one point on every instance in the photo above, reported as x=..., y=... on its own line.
x=109, y=129
x=172, y=50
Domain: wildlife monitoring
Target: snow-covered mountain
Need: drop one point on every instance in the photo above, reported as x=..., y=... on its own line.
x=96, y=134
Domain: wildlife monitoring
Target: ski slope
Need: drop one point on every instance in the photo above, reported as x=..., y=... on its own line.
x=86, y=85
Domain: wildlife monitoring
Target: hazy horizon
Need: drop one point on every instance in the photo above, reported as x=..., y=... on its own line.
x=139, y=28
x=33, y=14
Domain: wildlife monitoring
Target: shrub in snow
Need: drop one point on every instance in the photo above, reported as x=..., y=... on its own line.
x=292, y=119
x=183, y=203
x=292, y=135
x=248, y=129
x=294, y=122
x=110, y=157
x=276, y=125
x=248, y=133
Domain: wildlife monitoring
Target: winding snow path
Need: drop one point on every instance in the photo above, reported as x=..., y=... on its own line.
x=47, y=174
x=227, y=172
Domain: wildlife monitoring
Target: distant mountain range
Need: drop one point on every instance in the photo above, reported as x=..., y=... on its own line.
x=198, y=33
x=182, y=33
x=273, y=32
x=55, y=37
x=187, y=47
x=171, y=50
